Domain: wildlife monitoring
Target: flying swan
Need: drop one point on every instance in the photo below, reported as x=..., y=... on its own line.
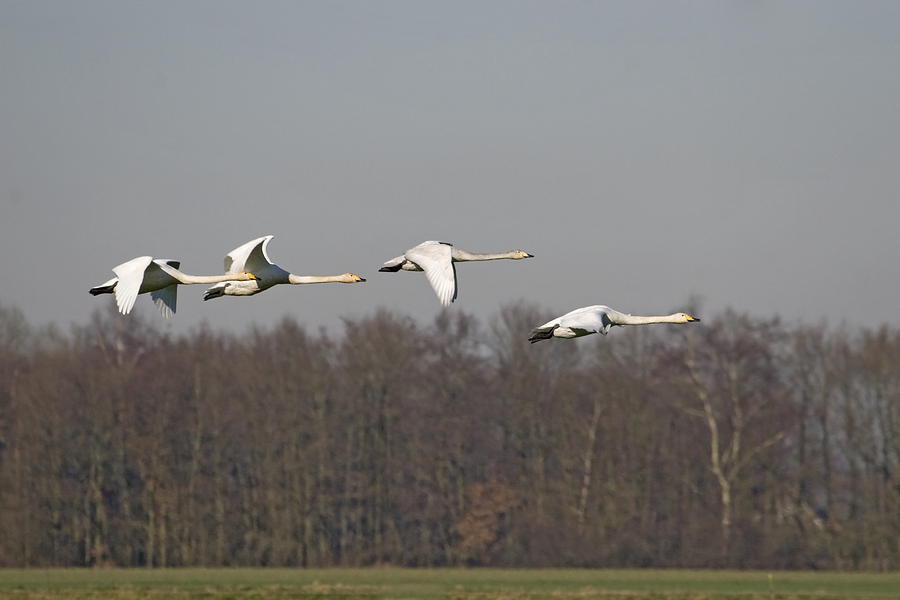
x=158, y=276
x=597, y=319
x=436, y=259
x=253, y=257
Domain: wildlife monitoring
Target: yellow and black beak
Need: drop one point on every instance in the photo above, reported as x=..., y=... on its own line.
x=692, y=319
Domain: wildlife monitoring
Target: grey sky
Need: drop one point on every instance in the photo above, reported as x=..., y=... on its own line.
x=747, y=152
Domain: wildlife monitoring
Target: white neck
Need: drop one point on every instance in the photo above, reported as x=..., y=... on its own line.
x=189, y=279
x=301, y=279
x=623, y=319
x=462, y=255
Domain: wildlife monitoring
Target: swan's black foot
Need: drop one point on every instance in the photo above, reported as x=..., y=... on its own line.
x=214, y=293
x=393, y=269
x=537, y=336
x=103, y=289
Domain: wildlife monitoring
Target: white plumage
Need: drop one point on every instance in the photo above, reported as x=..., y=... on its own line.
x=436, y=260
x=597, y=319
x=160, y=277
x=254, y=257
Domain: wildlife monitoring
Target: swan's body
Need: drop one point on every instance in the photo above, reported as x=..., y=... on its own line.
x=597, y=319
x=253, y=257
x=159, y=277
x=436, y=260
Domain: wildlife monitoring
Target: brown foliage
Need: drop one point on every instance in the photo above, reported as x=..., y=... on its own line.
x=481, y=527
x=740, y=442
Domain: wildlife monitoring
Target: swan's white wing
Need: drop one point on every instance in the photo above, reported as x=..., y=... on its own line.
x=251, y=256
x=435, y=259
x=166, y=299
x=594, y=319
x=131, y=275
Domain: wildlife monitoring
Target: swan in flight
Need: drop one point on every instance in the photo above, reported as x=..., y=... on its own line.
x=254, y=258
x=160, y=277
x=597, y=319
x=436, y=259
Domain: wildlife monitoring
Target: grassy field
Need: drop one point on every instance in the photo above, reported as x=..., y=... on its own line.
x=449, y=584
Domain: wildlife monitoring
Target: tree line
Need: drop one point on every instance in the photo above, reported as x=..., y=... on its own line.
x=741, y=442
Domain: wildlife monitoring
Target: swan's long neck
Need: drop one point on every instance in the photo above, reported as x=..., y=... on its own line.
x=623, y=319
x=463, y=255
x=300, y=279
x=189, y=279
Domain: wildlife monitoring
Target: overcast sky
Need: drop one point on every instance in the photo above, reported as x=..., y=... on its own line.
x=744, y=152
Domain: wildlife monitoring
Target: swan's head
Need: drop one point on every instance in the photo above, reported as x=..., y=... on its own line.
x=686, y=318
x=248, y=276
x=352, y=278
x=519, y=254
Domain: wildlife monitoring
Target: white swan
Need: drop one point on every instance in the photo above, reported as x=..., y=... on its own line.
x=160, y=277
x=254, y=258
x=597, y=319
x=436, y=259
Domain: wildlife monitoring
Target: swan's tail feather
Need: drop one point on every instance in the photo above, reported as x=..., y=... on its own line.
x=103, y=289
x=541, y=334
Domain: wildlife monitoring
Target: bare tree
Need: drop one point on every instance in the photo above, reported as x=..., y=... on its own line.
x=447, y=443
x=735, y=389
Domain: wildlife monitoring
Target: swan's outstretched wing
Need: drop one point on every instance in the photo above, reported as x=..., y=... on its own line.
x=166, y=299
x=436, y=260
x=251, y=257
x=131, y=275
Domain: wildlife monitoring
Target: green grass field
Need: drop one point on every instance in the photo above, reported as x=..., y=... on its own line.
x=449, y=584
